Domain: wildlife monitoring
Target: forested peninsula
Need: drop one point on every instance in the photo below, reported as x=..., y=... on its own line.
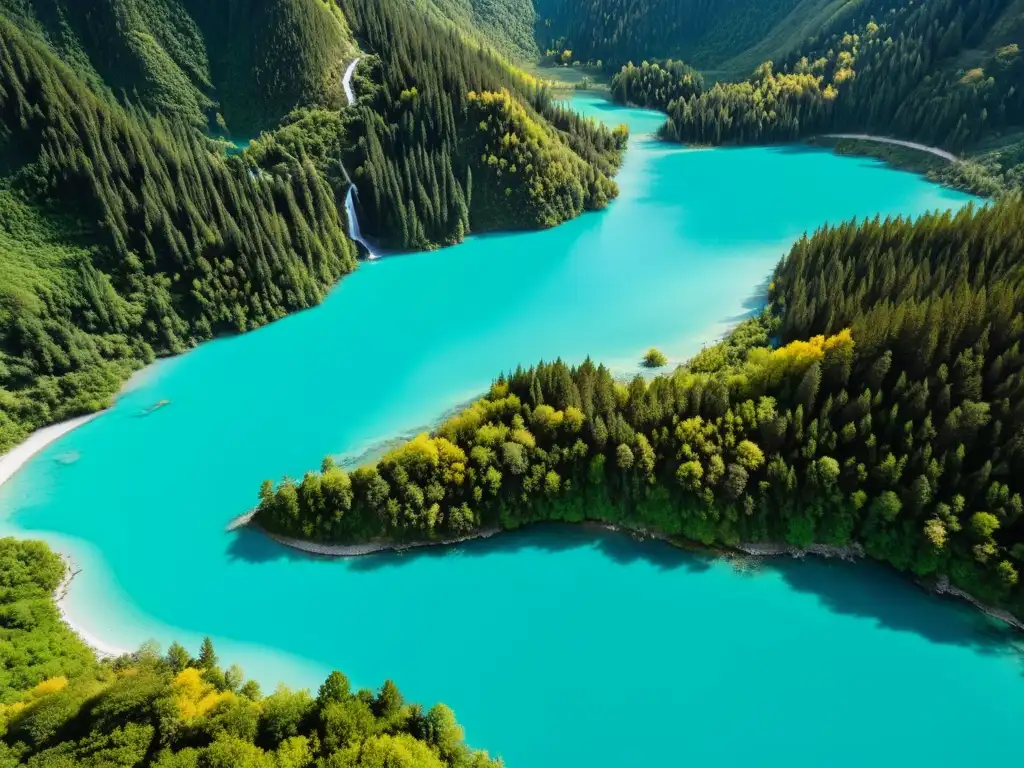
x=945, y=73
x=890, y=413
x=137, y=219
x=61, y=706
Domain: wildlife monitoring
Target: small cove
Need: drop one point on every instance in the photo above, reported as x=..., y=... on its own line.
x=541, y=639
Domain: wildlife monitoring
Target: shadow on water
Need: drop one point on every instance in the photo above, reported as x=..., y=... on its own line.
x=871, y=591
x=864, y=590
x=552, y=538
x=799, y=149
x=254, y=546
x=753, y=304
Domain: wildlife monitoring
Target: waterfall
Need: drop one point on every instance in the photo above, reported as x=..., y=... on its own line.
x=350, y=203
x=353, y=222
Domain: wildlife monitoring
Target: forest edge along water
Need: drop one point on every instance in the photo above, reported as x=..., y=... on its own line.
x=23, y=453
x=244, y=590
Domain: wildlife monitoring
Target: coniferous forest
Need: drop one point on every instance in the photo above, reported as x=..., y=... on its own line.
x=948, y=74
x=614, y=32
x=945, y=73
x=128, y=232
x=452, y=139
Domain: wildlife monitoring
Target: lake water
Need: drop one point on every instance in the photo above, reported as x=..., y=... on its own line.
x=554, y=646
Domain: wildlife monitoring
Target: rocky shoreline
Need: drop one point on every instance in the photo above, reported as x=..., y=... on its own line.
x=373, y=547
x=943, y=587
x=850, y=553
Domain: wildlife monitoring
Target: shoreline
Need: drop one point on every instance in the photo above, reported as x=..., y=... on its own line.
x=760, y=550
x=23, y=452
x=97, y=646
x=10, y=464
x=370, y=547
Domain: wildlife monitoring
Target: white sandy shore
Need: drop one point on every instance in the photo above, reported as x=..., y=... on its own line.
x=101, y=649
x=14, y=460
x=19, y=455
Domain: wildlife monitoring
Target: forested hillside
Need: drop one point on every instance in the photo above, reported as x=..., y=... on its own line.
x=244, y=63
x=127, y=235
x=452, y=139
x=891, y=415
x=59, y=706
x=505, y=25
x=126, y=232
x=946, y=73
x=614, y=32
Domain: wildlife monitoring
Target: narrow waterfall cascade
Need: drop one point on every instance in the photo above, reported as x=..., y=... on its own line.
x=353, y=222
x=350, y=204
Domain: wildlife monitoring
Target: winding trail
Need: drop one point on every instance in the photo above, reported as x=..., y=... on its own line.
x=898, y=142
x=346, y=81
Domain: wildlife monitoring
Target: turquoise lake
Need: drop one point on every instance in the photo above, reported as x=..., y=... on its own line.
x=554, y=646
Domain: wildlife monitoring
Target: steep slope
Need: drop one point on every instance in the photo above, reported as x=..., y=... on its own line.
x=268, y=57
x=804, y=21
x=505, y=25
x=127, y=236
x=946, y=73
x=704, y=32
x=127, y=233
x=453, y=140
x=244, y=63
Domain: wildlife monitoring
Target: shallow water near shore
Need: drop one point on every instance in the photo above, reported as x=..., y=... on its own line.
x=554, y=646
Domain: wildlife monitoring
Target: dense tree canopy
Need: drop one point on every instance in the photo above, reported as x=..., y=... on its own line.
x=892, y=416
x=243, y=63
x=616, y=31
x=127, y=235
x=59, y=706
x=505, y=25
x=452, y=139
x=656, y=84
x=944, y=72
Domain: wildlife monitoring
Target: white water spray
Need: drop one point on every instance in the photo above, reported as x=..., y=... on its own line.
x=350, y=203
